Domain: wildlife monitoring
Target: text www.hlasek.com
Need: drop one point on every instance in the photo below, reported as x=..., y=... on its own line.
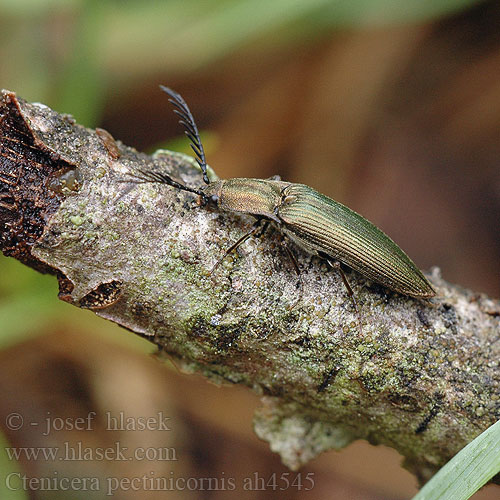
x=79, y=452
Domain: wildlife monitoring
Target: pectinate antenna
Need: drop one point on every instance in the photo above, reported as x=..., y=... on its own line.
x=146, y=176
x=181, y=109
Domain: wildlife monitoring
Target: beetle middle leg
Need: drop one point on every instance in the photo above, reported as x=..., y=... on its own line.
x=293, y=259
x=291, y=256
x=335, y=264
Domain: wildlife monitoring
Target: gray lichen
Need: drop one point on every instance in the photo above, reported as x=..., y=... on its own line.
x=423, y=377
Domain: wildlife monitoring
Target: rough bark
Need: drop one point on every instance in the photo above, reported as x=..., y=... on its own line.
x=423, y=377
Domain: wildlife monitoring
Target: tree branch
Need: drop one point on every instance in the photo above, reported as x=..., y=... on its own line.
x=423, y=378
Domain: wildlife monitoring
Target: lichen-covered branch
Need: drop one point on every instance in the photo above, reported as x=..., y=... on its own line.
x=423, y=377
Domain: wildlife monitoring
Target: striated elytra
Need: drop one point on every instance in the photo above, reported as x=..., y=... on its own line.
x=316, y=223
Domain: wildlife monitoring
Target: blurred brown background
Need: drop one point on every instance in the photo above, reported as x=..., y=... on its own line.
x=392, y=108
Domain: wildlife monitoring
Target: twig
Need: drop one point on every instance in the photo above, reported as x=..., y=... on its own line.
x=424, y=378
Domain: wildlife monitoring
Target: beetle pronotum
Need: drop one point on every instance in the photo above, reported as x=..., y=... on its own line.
x=318, y=224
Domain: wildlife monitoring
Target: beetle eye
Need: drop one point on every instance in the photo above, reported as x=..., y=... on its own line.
x=214, y=199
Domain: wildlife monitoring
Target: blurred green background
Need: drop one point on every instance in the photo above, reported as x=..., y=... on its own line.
x=391, y=107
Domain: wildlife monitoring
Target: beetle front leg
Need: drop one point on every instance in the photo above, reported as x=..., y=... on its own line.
x=257, y=229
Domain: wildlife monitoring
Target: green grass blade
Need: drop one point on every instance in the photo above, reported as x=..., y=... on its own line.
x=468, y=470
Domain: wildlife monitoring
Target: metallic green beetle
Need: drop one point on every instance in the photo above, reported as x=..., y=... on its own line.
x=313, y=221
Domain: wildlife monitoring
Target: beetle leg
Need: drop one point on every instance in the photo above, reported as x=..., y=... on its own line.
x=291, y=256
x=335, y=264
x=263, y=226
x=257, y=229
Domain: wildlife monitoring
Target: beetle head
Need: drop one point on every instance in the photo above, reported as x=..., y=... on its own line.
x=212, y=193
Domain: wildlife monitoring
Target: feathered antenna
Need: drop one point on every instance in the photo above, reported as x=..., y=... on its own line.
x=146, y=176
x=181, y=109
x=187, y=121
